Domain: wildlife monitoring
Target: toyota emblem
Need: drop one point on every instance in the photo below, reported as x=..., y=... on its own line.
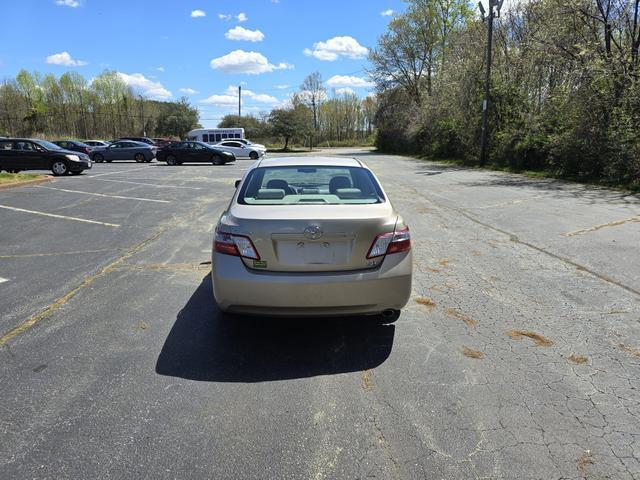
x=313, y=232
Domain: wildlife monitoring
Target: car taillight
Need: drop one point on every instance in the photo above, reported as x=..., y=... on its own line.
x=236, y=245
x=392, y=242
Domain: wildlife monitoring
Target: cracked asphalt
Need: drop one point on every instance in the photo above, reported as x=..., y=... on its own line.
x=518, y=355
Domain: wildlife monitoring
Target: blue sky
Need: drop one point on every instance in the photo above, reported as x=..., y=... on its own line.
x=201, y=49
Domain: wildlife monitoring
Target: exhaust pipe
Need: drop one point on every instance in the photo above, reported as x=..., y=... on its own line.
x=388, y=313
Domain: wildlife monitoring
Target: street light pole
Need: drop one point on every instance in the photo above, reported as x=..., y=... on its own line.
x=494, y=12
x=239, y=100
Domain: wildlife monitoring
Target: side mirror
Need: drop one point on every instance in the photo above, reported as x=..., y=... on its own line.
x=237, y=184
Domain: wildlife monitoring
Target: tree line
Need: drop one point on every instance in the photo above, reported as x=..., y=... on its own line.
x=312, y=116
x=33, y=104
x=565, y=86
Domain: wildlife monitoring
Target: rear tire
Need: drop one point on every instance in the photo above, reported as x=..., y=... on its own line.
x=171, y=160
x=98, y=158
x=59, y=168
x=139, y=158
x=216, y=160
x=254, y=155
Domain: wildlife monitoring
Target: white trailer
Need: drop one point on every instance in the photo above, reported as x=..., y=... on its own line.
x=215, y=135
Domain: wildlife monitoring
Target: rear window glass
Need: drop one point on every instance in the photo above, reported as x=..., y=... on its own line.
x=298, y=185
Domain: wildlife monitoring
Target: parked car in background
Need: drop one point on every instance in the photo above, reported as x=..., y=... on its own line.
x=249, y=143
x=162, y=142
x=177, y=153
x=124, y=150
x=311, y=236
x=146, y=140
x=18, y=154
x=74, y=145
x=240, y=150
x=97, y=143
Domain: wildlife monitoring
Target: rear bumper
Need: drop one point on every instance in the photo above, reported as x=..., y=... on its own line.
x=238, y=289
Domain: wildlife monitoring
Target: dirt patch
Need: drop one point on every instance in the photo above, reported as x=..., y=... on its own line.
x=577, y=359
x=367, y=381
x=444, y=262
x=452, y=312
x=142, y=325
x=476, y=253
x=539, y=340
x=434, y=270
x=584, y=461
x=471, y=353
x=626, y=348
x=427, y=302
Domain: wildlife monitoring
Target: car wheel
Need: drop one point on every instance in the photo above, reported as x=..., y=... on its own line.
x=216, y=160
x=98, y=158
x=254, y=155
x=171, y=160
x=139, y=158
x=59, y=168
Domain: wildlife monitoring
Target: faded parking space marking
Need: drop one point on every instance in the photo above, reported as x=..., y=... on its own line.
x=122, y=197
x=148, y=184
x=119, y=171
x=2, y=280
x=62, y=217
x=595, y=228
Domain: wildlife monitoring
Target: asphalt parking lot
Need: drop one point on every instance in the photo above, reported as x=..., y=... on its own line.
x=517, y=357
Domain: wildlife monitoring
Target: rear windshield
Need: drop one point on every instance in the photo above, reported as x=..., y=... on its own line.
x=328, y=185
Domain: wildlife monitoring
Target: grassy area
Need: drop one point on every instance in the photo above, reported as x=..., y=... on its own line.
x=6, y=178
x=599, y=182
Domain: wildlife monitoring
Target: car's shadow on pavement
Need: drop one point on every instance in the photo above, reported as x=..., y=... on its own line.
x=204, y=345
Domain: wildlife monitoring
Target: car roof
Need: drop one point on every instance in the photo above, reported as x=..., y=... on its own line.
x=309, y=160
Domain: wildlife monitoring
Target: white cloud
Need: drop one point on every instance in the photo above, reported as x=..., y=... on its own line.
x=240, y=33
x=148, y=87
x=160, y=69
x=64, y=58
x=282, y=87
x=348, y=81
x=68, y=3
x=242, y=17
x=230, y=98
x=221, y=100
x=386, y=13
x=344, y=91
x=251, y=63
x=198, y=13
x=223, y=16
x=188, y=91
x=337, y=47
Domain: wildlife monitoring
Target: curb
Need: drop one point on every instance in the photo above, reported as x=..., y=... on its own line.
x=26, y=183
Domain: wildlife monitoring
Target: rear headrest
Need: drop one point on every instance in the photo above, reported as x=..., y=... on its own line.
x=270, y=194
x=347, y=193
x=277, y=183
x=339, y=182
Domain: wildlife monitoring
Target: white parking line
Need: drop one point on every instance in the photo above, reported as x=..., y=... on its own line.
x=148, y=184
x=2, y=280
x=105, y=195
x=120, y=171
x=64, y=217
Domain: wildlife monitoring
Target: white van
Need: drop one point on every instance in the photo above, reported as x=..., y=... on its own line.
x=214, y=135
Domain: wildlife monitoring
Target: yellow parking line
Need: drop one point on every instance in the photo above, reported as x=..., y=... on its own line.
x=63, y=217
x=615, y=223
x=105, y=195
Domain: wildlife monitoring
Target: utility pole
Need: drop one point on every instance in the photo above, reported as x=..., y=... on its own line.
x=239, y=100
x=494, y=12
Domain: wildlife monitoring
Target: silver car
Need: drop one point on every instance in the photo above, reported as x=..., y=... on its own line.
x=240, y=149
x=311, y=236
